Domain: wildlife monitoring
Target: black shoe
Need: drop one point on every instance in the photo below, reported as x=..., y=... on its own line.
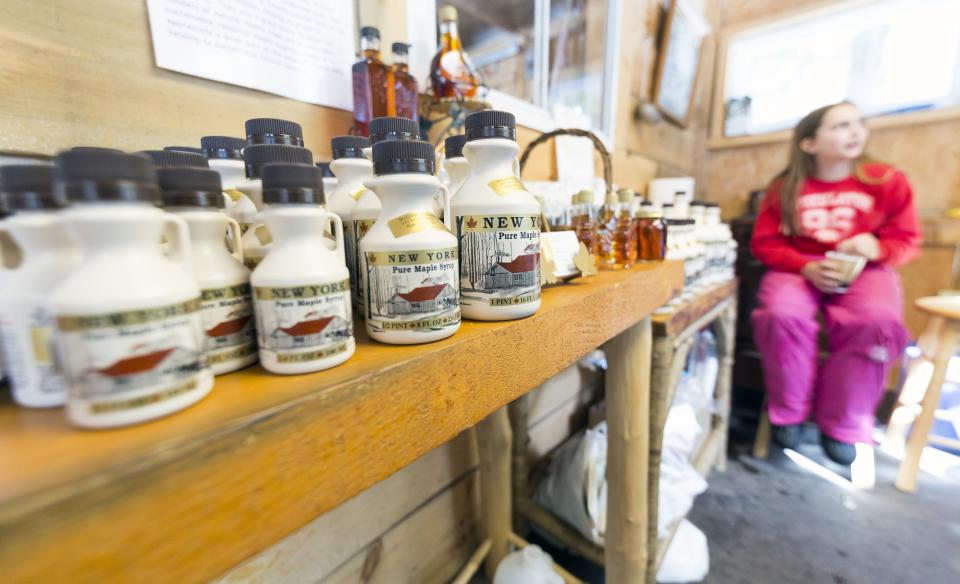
x=787, y=436
x=838, y=452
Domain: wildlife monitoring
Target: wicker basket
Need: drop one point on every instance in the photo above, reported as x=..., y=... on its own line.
x=597, y=144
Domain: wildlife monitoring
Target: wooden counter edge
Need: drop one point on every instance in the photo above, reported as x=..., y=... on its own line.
x=193, y=510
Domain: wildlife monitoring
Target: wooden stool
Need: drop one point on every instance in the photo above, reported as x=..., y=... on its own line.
x=937, y=343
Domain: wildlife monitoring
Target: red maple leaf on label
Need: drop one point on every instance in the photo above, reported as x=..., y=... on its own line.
x=372, y=258
x=471, y=223
x=364, y=228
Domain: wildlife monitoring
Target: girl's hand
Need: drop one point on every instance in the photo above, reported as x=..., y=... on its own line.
x=822, y=275
x=865, y=245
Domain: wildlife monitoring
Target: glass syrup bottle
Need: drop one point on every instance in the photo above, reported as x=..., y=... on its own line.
x=584, y=224
x=625, y=236
x=606, y=232
x=404, y=84
x=371, y=89
x=452, y=74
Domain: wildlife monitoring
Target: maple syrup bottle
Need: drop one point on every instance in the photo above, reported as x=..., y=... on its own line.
x=497, y=225
x=351, y=167
x=584, y=224
x=452, y=75
x=651, y=233
x=301, y=288
x=371, y=89
x=404, y=84
x=606, y=232
x=625, y=236
x=225, y=155
x=408, y=257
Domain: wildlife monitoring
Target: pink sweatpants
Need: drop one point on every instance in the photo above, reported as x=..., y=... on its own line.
x=866, y=336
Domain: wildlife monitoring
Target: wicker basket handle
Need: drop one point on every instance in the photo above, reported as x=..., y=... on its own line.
x=604, y=155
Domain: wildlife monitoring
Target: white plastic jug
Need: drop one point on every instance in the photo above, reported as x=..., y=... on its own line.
x=128, y=317
x=409, y=257
x=301, y=288
x=352, y=168
x=227, y=308
x=531, y=565
x=497, y=222
x=46, y=257
x=256, y=241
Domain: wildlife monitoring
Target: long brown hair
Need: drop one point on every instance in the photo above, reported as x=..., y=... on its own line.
x=801, y=166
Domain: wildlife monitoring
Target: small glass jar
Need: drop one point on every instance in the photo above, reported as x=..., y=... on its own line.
x=651, y=234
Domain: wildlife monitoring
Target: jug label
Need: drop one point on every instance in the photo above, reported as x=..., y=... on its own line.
x=416, y=221
x=360, y=228
x=304, y=323
x=355, y=195
x=507, y=185
x=27, y=336
x=133, y=359
x=499, y=259
x=228, y=322
x=413, y=290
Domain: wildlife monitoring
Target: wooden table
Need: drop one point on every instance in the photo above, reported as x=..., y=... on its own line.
x=672, y=338
x=187, y=497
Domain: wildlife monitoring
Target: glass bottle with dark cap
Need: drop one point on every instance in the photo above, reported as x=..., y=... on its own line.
x=408, y=257
x=651, y=233
x=45, y=256
x=195, y=195
x=128, y=318
x=256, y=156
x=225, y=155
x=497, y=224
x=352, y=168
x=404, y=84
x=302, y=288
x=370, y=82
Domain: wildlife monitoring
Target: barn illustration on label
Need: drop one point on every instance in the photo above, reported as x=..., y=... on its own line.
x=412, y=287
x=141, y=365
x=285, y=328
x=500, y=256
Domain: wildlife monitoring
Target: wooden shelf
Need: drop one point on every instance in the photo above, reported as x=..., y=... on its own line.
x=187, y=497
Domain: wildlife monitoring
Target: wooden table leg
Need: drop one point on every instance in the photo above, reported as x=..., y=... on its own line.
x=494, y=448
x=726, y=339
x=907, y=475
x=628, y=438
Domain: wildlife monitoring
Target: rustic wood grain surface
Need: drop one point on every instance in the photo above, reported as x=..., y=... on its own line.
x=187, y=497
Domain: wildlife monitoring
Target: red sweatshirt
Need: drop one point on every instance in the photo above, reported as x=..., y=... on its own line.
x=830, y=212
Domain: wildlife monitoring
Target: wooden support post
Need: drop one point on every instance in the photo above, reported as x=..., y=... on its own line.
x=726, y=331
x=518, y=411
x=628, y=436
x=907, y=475
x=493, y=445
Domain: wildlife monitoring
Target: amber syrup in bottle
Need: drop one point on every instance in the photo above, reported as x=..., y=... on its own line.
x=651, y=234
x=584, y=224
x=625, y=233
x=403, y=83
x=606, y=232
x=371, y=88
x=452, y=75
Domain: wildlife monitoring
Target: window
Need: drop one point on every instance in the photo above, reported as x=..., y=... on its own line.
x=888, y=57
x=545, y=59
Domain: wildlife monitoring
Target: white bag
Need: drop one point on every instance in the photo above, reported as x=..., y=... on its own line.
x=688, y=557
x=575, y=488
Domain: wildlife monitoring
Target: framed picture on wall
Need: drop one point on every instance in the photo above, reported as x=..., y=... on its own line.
x=678, y=60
